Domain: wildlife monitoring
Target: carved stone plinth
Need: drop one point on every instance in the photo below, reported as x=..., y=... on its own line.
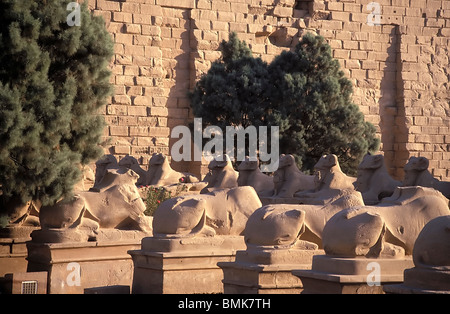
x=419, y=280
x=335, y=275
x=13, y=250
x=266, y=271
x=25, y=283
x=182, y=265
x=74, y=267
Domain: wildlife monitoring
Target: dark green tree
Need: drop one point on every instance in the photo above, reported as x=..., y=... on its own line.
x=53, y=80
x=303, y=91
x=312, y=103
x=233, y=93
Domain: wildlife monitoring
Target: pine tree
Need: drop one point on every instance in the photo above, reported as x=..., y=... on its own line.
x=312, y=104
x=233, y=93
x=303, y=91
x=53, y=79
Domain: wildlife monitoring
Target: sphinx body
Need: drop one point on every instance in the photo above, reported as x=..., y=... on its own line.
x=251, y=175
x=417, y=174
x=220, y=212
x=330, y=182
x=389, y=229
x=283, y=224
x=132, y=163
x=373, y=180
x=221, y=175
x=102, y=166
x=288, y=179
x=114, y=203
x=431, y=256
x=432, y=247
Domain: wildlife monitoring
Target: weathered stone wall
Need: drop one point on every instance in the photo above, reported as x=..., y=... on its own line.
x=400, y=68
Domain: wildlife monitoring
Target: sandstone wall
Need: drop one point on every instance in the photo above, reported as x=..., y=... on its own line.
x=400, y=68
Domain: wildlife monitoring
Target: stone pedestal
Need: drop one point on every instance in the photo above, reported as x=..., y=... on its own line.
x=421, y=280
x=335, y=275
x=13, y=253
x=25, y=283
x=264, y=271
x=182, y=265
x=13, y=249
x=74, y=267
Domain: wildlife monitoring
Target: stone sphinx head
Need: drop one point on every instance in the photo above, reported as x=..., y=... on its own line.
x=274, y=226
x=180, y=217
x=248, y=165
x=371, y=162
x=412, y=169
x=157, y=159
x=322, y=167
x=326, y=162
x=366, y=169
x=128, y=162
x=286, y=161
x=220, y=162
x=103, y=164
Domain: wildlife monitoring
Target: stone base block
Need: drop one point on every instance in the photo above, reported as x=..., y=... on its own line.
x=266, y=271
x=26, y=283
x=260, y=279
x=182, y=266
x=74, y=267
x=335, y=275
x=421, y=280
x=13, y=253
x=13, y=249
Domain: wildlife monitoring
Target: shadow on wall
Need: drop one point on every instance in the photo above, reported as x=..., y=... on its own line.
x=393, y=122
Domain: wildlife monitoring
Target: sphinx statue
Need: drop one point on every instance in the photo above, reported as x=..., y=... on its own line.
x=313, y=220
x=220, y=212
x=221, y=175
x=251, y=175
x=104, y=164
x=330, y=182
x=275, y=226
x=132, y=163
x=432, y=247
x=388, y=230
x=373, y=180
x=113, y=204
x=417, y=173
x=431, y=256
x=160, y=173
x=288, y=179
x=18, y=214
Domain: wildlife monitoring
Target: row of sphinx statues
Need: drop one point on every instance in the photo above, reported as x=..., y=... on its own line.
x=373, y=181
x=371, y=215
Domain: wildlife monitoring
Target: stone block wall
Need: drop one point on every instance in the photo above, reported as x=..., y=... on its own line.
x=394, y=51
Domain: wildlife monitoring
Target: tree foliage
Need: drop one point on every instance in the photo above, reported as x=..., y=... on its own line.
x=53, y=80
x=302, y=91
x=234, y=91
